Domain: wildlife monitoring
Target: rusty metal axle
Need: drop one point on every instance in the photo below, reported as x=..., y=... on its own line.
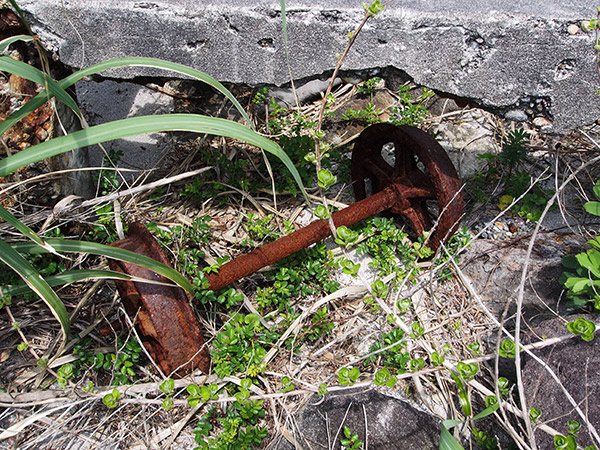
x=421, y=173
x=316, y=231
x=402, y=189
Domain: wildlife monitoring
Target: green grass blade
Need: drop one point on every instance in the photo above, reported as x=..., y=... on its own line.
x=6, y=42
x=73, y=276
x=24, y=70
x=447, y=441
x=37, y=284
x=24, y=229
x=284, y=25
x=41, y=98
x=69, y=276
x=486, y=412
x=146, y=124
x=66, y=245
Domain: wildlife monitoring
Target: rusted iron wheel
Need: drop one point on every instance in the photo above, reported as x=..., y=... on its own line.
x=163, y=316
x=421, y=169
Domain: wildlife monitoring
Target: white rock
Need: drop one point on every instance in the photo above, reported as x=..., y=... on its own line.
x=573, y=29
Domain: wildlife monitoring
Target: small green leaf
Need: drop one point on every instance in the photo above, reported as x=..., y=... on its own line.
x=582, y=327
x=111, y=399
x=467, y=370
x=491, y=400
x=534, y=414
x=326, y=179
x=375, y=8
x=346, y=236
x=593, y=208
x=507, y=348
x=437, y=359
x=597, y=189
x=574, y=427
x=380, y=289
x=417, y=329
x=322, y=212
x=564, y=442
x=474, y=348
x=167, y=386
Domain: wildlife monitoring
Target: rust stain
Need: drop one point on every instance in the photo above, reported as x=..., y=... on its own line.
x=164, y=319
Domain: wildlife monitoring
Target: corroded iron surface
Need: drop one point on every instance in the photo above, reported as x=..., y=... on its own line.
x=164, y=319
x=421, y=170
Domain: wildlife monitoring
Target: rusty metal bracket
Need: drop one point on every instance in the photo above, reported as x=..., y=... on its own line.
x=164, y=318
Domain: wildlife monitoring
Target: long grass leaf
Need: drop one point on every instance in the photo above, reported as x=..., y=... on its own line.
x=24, y=70
x=13, y=259
x=69, y=276
x=41, y=98
x=284, y=25
x=6, y=42
x=146, y=124
x=24, y=229
x=67, y=245
x=447, y=441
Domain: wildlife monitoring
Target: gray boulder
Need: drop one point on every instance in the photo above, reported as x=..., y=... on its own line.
x=390, y=423
x=577, y=365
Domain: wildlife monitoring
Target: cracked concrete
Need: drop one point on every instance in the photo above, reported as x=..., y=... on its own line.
x=503, y=55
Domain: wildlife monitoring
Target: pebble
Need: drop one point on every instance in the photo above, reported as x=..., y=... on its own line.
x=573, y=29
x=504, y=228
x=542, y=122
x=516, y=115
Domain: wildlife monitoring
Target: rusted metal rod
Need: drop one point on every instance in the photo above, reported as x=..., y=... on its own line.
x=318, y=230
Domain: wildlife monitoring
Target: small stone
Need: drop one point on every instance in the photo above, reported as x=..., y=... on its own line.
x=542, y=122
x=516, y=115
x=41, y=134
x=513, y=227
x=500, y=226
x=573, y=29
x=585, y=24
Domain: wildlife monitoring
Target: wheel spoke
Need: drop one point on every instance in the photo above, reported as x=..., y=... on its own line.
x=405, y=161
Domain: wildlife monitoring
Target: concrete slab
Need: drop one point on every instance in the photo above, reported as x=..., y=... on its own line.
x=506, y=55
x=106, y=101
